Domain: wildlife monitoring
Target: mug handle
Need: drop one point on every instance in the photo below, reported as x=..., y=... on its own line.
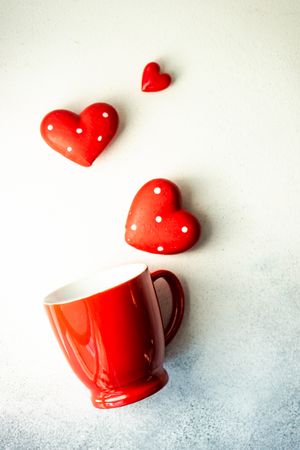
x=177, y=302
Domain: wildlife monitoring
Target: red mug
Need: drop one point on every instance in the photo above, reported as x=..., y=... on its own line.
x=110, y=329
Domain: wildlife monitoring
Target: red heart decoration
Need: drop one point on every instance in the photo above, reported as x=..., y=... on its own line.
x=82, y=137
x=157, y=224
x=153, y=80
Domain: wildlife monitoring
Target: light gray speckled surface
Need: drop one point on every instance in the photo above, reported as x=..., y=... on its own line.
x=228, y=132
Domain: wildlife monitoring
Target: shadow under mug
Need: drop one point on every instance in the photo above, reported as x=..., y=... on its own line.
x=110, y=329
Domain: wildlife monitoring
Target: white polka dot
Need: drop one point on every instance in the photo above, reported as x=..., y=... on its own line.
x=157, y=190
x=184, y=229
x=79, y=130
x=105, y=114
x=158, y=219
x=50, y=127
x=160, y=249
x=99, y=138
x=69, y=149
x=133, y=227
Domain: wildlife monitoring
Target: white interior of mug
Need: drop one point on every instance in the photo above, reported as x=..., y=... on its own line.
x=93, y=284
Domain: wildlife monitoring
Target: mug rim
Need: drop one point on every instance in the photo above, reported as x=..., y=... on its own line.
x=56, y=297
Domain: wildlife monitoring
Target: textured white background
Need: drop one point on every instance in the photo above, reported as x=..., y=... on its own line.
x=228, y=132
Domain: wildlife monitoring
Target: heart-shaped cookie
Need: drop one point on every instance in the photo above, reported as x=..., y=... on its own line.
x=153, y=80
x=82, y=137
x=157, y=224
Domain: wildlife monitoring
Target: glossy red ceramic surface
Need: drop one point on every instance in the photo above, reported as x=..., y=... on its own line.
x=115, y=340
x=157, y=223
x=153, y=80
x=80, y=137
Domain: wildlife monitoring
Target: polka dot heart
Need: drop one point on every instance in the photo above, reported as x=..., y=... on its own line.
x=156, y=223
x=80, y=138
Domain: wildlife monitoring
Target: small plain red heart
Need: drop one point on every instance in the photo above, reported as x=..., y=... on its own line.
x=156, y=223
x=80, y=138
x=153, y=80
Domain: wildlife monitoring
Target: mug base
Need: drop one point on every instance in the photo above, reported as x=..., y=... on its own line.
x=132, y=393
